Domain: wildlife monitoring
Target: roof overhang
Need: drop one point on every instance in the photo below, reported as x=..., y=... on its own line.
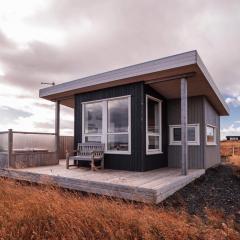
x=162, y=74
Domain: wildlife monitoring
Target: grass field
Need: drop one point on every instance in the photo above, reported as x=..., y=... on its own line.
x=230, y=147
x=37, y=212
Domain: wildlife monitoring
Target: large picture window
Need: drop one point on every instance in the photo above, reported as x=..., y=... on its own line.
x=192, y=131
x=108, y=121
x=153, y=125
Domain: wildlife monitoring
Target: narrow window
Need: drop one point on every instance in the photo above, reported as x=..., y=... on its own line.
x=193, y=134
x=153, y=125
x=93, y=122
x=211, y=135
x=118, y=125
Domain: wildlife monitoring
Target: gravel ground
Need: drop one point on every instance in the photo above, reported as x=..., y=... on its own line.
x=218, y=189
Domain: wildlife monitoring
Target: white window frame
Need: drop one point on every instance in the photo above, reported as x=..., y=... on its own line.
x=154, y=151
x=104, y=134
x=197, y=135
x=214, y=135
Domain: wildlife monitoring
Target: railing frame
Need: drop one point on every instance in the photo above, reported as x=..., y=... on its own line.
x=10, y=141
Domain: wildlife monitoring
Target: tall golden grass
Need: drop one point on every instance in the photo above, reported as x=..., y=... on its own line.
x=37, y=212
x=230, y=147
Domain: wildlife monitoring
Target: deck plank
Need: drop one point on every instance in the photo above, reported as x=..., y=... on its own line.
x=151, y=186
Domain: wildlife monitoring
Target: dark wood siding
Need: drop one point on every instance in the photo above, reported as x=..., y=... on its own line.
x=195, y=115
x=154, y=161
x=133, y=162
x=199, y=111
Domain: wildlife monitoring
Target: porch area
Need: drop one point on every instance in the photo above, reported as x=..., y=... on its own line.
x=150, y=186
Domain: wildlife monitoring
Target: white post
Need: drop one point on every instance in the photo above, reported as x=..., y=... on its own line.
x=184, y=123
x=57, y=127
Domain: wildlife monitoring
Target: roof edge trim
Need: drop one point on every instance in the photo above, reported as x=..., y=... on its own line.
x=161, y=64
x=212, y=83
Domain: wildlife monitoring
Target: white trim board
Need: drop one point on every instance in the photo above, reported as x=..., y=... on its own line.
x=117, y=76
x=190, y=143
x=154, y=151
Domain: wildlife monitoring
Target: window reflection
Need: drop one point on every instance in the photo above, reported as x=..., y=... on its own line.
x=210, y=134
x=93, y=139
x=118, y=142
x=118, y=115
x=153, y=142
x=93, y=118
x=153, y=116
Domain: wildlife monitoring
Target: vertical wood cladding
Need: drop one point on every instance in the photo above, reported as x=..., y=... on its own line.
x=199, y=111
x=195, y=115
x=133, y=162
x=154, y=161
x=212, y=152
x=138, y=160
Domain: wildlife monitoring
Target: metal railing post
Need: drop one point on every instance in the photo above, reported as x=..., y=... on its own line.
x=10, y=146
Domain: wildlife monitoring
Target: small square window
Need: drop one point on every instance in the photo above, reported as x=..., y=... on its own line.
x=153, y=142
x=177, y=134
x=211, y=135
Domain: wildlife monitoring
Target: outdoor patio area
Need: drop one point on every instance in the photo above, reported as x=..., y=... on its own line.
x=151, y=186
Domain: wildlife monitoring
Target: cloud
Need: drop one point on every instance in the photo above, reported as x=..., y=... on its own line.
x=100, y=36
x=60, y=41
x=5, y=42
x=66, y=124
x=234, y=101
x=9, y=114
x=231, y=130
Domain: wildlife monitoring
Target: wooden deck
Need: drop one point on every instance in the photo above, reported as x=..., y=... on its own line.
x=151, y=186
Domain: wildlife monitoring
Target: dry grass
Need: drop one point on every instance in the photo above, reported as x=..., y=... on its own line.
x=228, y=146
x=37, y=212
x=227, y=151
x=33, y=212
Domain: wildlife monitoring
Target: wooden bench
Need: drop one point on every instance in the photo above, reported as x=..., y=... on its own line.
x=88, y=152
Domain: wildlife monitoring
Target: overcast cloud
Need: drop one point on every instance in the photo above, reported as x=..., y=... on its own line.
x=62, y=40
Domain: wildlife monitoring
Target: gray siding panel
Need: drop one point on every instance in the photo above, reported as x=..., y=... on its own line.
x=195, y=115
x=212, y=153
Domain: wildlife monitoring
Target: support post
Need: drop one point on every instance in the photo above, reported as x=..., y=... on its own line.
x=184, y=123
x=57, y=127
x=10, y=147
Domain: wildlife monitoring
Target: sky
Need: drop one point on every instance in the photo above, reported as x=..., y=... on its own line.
x=62, y=40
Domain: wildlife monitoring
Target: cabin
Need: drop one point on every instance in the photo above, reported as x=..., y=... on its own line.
x=157, y=123
x=233, y=138
x=161, y=113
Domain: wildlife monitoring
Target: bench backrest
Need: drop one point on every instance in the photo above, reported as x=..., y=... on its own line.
x=87, y=148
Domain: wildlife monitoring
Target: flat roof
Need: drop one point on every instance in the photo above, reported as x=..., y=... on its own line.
x=154, y=72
